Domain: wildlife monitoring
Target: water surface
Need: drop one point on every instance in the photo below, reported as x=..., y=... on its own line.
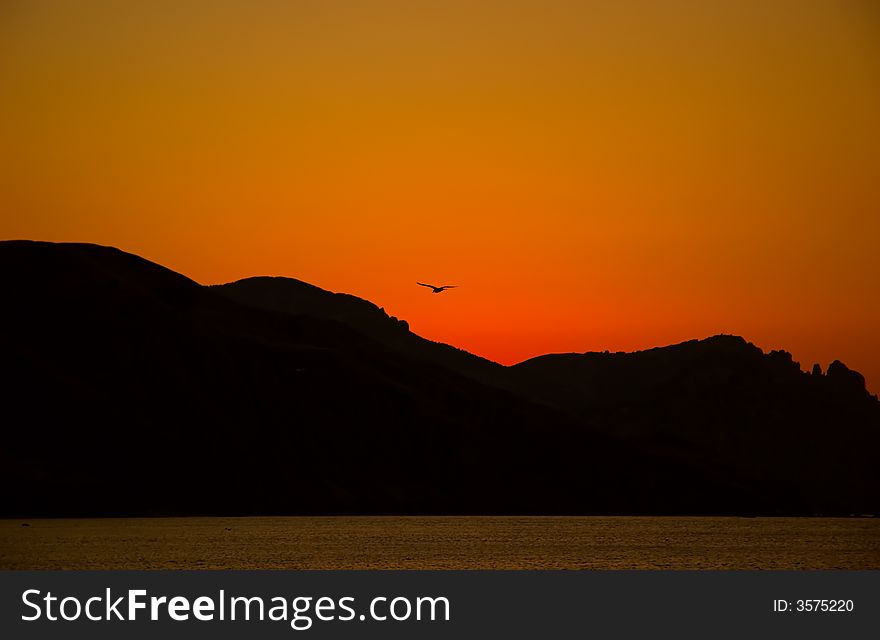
x=441, y=543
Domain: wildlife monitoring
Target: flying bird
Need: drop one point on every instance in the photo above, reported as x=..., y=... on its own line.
x=436, y=289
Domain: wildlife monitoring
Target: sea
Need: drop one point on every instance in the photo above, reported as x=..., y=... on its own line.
x=465, y=542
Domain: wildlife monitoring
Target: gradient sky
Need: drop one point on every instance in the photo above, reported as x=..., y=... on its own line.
x=608, y=175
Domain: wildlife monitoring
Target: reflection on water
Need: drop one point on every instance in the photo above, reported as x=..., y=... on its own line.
x=442, y=543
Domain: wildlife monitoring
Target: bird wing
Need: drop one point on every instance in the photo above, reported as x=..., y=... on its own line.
x=448, y=286
x=422, y=284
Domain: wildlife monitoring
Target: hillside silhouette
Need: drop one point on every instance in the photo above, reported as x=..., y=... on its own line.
x=130, y=389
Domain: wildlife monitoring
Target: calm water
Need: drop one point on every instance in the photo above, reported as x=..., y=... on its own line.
x=442, y=543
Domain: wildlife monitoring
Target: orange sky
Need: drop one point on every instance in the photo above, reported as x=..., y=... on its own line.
x=594, y=175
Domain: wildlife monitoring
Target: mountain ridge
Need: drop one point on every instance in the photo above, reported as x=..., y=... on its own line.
x=400, y=326
x=127, y=384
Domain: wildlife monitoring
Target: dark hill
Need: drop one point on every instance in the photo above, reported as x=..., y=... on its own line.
x=755, y=417
x=127, y=388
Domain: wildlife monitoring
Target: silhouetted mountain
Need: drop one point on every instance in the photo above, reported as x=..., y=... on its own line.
x=128, y=388
x=755, y=417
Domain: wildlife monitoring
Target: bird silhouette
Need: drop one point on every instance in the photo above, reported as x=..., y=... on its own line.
x=436, y=289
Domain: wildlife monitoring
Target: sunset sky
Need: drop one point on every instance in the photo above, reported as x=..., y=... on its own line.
x=605, y=175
